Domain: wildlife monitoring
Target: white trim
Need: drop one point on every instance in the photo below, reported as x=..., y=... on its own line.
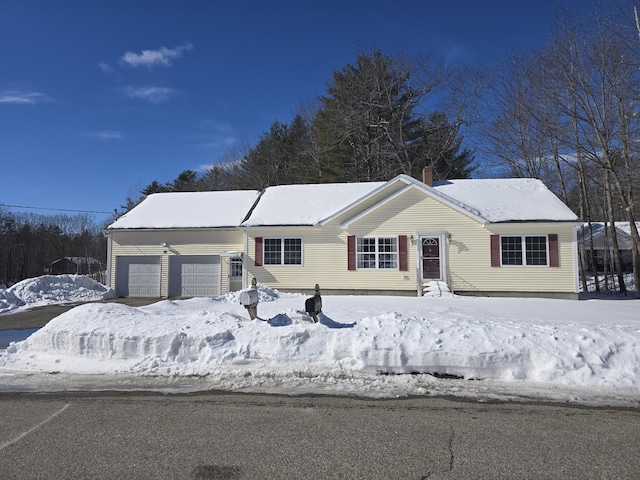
x=441, y=236
x=231, y=254
x=109, y=260
x=576, y=271
x=245, y=257
x=377, y=253
x=282, y=264
x=524, y=250
x=533, y=223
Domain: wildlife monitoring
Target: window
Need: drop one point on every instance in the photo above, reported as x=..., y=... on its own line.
x=524, y=250
x=377, y=252
x=282, y=251
x=236, y=267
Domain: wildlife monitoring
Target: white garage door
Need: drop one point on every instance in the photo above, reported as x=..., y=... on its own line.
x=138, y=276
x=194, y=276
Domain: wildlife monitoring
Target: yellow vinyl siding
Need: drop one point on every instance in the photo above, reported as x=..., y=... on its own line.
x=196, y=242
x=536, y=278
x=467, y=251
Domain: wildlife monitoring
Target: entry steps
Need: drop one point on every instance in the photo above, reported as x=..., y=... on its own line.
x=435, y=288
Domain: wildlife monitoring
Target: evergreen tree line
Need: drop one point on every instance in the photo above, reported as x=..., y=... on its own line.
x=372, y=124
x=29, y=243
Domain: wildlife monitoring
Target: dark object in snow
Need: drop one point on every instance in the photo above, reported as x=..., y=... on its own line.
x=313, y=305
x=249, y=298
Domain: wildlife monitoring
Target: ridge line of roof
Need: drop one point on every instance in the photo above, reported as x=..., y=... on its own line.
x=429, y=189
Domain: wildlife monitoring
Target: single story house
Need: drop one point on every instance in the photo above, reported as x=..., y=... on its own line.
x=603, y=244
x=504, y=237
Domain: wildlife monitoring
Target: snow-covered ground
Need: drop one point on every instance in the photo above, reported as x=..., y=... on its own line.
x=584, y=352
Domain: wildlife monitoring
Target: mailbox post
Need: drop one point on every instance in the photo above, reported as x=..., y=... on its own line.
x=249, y=298
x=313, y=305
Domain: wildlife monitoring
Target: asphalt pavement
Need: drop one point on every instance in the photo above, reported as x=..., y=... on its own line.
x=38, y=317
x=234, y=436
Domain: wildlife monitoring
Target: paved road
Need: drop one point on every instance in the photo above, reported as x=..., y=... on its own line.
x=39, y=316
x=235, y=436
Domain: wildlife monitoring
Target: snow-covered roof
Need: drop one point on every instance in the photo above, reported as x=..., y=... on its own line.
x=189, y=210
x=494, y=200
x=598, y=228
x=306, y=204
x=508, y=199
x=78, y=260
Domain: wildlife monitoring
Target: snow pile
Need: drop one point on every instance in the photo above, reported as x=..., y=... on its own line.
x=265, y=294
x=360, y=346
x=8, y=300
x=52, y=289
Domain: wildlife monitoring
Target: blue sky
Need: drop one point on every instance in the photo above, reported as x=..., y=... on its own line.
x=97, y=99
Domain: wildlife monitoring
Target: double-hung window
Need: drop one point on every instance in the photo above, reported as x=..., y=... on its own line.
x=377, y=252
x=283, y=251
x=524, y=250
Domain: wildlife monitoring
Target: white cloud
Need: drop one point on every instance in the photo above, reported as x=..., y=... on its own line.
x=149, y=94
x=152, y=58
x=105, y=67
x=24, y=98
x=106, y=135
x=217, y=135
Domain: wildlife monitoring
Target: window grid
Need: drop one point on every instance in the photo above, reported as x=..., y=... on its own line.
x=292, y=251
x=236, y=267
x=282, y=251
x=272, y=251
x=377, y=252
x=524, y=250
x=536, y=248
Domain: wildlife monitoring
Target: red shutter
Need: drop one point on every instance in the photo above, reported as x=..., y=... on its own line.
x=258, y=256
x=351, y=252
x=495, y=250
x=554, y=257
x=402, y=253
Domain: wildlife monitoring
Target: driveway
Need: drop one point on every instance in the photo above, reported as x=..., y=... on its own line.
x=38, y=317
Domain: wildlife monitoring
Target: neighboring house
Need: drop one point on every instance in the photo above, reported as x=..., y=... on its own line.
x=603, y=248
x=507, y=237
x=74, y=265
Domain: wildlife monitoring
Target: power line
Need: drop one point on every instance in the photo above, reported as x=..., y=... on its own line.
x=53, y=209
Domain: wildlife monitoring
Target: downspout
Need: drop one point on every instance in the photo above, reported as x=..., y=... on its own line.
x=245, y=255
x=108, y=279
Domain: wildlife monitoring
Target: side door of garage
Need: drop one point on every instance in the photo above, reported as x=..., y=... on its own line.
x=138, y=276
x=194, y=276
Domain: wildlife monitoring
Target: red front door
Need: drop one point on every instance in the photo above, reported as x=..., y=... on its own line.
x=430, y=254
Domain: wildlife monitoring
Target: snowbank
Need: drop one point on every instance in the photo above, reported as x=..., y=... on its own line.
x=52, y=289
x=360, y=344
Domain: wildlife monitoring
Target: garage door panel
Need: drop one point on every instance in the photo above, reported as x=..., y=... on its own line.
x=194, y=276
x=138, y=276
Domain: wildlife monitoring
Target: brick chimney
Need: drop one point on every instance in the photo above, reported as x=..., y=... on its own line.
x=427, y=175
